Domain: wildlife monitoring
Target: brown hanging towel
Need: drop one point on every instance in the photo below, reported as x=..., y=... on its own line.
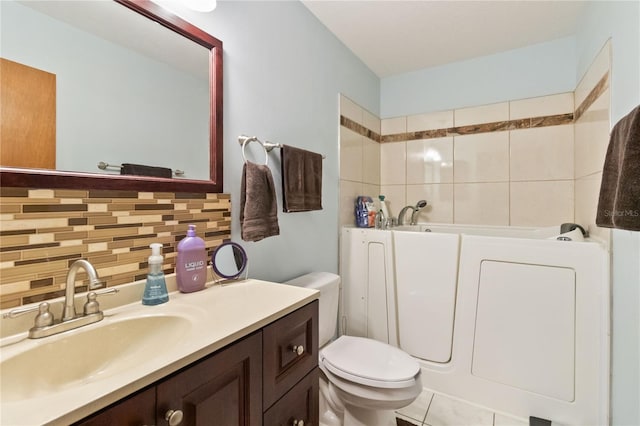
x=301, y=180
x=258, y=204
x=619, y=203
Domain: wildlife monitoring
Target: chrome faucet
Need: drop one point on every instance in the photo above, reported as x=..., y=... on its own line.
x=45, y=325
x=414, y=214
x=69, y=312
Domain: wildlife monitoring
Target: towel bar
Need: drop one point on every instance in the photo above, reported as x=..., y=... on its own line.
x=244, y=140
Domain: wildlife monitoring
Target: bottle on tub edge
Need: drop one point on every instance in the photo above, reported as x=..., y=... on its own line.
x=191, y=265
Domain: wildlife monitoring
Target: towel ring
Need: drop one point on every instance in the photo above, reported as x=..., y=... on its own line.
x=255, y=139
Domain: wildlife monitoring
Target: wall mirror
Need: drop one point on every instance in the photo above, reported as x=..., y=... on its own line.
x=229, y=261
x=156, y=101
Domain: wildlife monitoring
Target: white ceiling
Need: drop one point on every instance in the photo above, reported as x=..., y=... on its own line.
x=397, y=36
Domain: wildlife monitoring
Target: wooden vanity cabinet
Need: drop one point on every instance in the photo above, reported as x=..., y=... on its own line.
x=136, y=410
x=224, y=389
x=290, y=360
x=264, y=378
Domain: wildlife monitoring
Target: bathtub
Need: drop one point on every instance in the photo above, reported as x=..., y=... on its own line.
x=508, y=318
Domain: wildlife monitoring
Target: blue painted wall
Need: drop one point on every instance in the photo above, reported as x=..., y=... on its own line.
x=537, y=70
x=283, y=72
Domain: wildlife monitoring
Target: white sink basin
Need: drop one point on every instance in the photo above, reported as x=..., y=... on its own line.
x=87, y=354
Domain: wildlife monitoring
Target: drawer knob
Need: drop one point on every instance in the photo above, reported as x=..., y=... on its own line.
x=299, y=350
x=298, y=422
x=174, y=417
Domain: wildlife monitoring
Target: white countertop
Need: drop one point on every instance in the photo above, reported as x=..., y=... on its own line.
x=220, y=314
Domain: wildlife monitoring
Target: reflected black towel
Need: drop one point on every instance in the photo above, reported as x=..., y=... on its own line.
x=619, y=203
x=142, y=170
x=301, y=180
x=258, y=204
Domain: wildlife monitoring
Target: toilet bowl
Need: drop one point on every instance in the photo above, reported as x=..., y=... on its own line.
x=363, y=380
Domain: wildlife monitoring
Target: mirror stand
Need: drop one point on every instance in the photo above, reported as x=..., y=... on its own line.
x=228, y=263
x=222, y=281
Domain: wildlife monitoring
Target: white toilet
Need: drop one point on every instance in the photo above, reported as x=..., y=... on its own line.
x=364, y=380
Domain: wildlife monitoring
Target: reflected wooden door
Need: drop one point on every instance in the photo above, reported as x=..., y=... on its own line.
x=27, y=116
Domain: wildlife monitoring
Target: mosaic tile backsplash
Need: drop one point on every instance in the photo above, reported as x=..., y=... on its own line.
x=43, y=231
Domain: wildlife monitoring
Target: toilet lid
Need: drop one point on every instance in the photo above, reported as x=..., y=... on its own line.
x=369, y=362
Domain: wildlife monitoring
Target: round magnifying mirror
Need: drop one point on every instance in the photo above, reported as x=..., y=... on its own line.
x=229, y=260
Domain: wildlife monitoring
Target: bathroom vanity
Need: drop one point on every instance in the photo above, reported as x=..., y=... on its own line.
x=247, y=355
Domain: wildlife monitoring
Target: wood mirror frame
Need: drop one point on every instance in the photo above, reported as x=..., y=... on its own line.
x=39, y=178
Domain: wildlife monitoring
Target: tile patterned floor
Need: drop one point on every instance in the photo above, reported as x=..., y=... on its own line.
x=432, y=409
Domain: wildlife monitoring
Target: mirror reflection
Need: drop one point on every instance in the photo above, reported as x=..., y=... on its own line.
x=229, y=260
x=146, y=102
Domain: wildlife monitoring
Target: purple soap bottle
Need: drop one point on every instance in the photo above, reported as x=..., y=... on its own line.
x=191, y=266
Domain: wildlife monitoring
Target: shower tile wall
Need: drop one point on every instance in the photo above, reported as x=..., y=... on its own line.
x=592, y=126
x=509, y=163
x=525, y=162
x=359, y=156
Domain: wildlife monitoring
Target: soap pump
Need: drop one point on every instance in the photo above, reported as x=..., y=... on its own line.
x=155, y=291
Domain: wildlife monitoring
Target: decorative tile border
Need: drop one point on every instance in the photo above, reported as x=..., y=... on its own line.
x=359, y=129
x=43, y=231
x=593, y=95
x=499, y=126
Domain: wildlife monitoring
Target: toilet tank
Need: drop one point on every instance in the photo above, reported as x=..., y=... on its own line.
x=329, y=286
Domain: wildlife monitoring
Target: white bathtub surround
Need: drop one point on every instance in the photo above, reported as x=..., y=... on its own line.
x=414, y=298
x=506, y=317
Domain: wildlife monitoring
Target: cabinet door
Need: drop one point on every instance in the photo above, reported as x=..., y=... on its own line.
x=135, y=410
x=290, y=351
x=299, y=404
x=224, y=389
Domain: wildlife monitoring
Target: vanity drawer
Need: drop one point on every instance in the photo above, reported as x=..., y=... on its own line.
x=284, y=362
x=300, y=403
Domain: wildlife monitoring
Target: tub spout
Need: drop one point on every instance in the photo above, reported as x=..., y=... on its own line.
x=414, y=214
x=568, y=227
x=403, y=212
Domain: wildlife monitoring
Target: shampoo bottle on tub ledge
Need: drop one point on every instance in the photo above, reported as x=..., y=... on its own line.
x=191, y=266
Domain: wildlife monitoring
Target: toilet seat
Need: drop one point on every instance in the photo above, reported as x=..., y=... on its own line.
x=369, y=362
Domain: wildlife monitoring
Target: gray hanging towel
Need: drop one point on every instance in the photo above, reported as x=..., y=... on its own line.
x=301, y=180
x=258, y=204
x=619, y=203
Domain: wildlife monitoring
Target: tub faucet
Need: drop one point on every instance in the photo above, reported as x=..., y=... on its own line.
x=69, y=312
x=414, y=214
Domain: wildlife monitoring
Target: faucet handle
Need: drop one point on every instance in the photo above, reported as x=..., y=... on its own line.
x=43, y=319
x=92, y=306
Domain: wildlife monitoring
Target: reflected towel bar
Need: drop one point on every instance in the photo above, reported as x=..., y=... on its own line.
x=103, y=166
